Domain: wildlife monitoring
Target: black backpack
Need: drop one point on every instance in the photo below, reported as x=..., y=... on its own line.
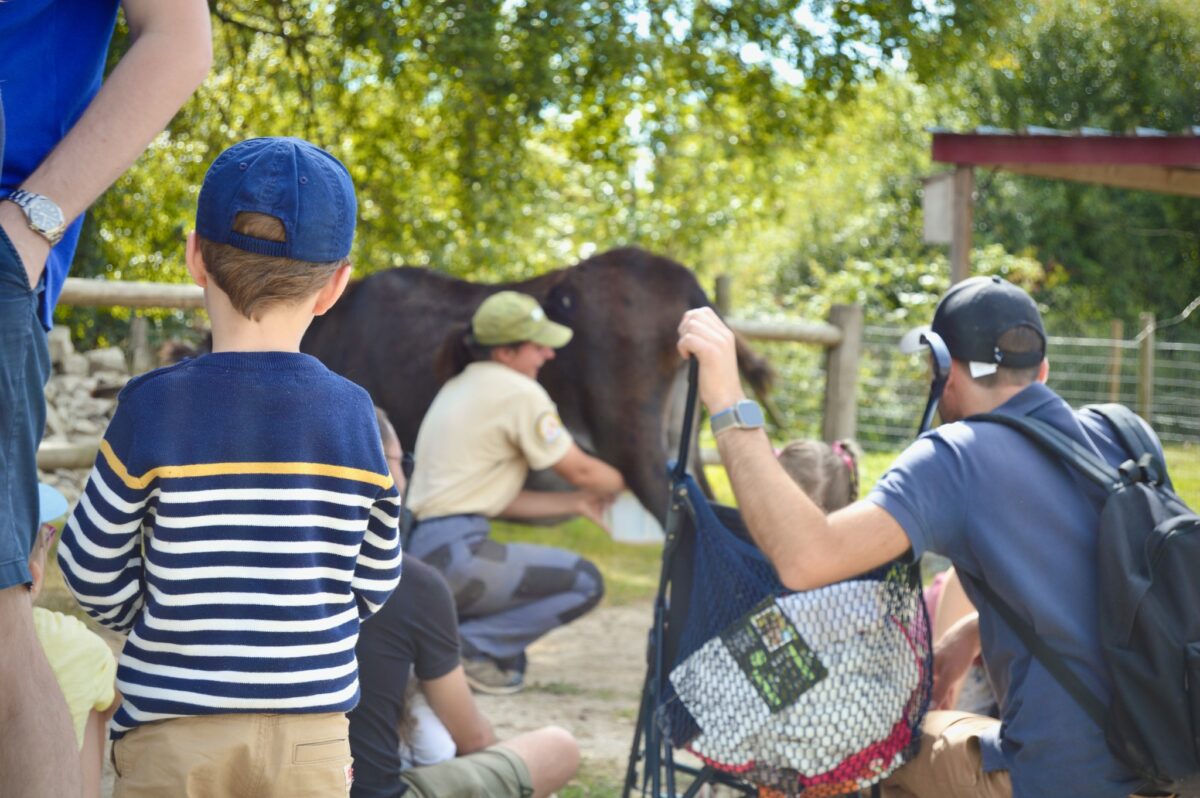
x=1148, y=560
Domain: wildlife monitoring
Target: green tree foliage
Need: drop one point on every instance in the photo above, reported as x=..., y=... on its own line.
x=855, y=197
x=781, y=142
x=505, y=137
x=854, y=226
x=855, y=221
x=1111, y=64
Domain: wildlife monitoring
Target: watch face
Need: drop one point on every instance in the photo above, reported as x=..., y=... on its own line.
x=44, y=214
x=750, y=414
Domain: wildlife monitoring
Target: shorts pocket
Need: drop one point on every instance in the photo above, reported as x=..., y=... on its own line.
x=956, y=756
x=321, y=751
x=12, y=268
x=122, y=757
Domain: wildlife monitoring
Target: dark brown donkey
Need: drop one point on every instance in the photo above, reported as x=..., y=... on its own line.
x=618, y=383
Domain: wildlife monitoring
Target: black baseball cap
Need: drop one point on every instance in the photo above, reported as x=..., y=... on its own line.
x=974, y=314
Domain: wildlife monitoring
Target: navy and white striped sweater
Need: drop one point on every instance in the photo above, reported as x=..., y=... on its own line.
x=240, y=521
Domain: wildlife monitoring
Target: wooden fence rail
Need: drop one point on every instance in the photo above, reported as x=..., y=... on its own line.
x=111, y=293
x=841, y=337
x=67, y=454
x=804, y=332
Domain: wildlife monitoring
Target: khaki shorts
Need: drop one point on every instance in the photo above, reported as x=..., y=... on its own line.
x=493, y=773
x=950, y=763
x=228, y=756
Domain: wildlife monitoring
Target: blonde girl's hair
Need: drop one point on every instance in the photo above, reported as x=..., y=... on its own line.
x=828, y=473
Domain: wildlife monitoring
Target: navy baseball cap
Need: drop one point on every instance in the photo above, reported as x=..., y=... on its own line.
x=300, y=184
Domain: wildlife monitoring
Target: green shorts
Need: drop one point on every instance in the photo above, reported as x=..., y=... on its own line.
x=492, y=772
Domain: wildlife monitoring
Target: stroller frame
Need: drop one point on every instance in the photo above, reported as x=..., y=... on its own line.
x=651, y=748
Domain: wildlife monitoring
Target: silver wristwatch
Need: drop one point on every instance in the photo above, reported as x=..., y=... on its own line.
x=44, y=216
x=746, y=414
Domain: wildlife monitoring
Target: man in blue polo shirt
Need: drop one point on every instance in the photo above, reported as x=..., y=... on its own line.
x=67, y=139
x=1005, y=513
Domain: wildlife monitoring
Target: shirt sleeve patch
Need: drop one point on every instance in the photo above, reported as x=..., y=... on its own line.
x=549, y=427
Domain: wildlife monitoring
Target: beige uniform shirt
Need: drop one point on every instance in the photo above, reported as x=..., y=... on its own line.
x=485, y=430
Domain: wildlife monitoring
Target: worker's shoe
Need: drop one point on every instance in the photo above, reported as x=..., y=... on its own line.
x=485, y=676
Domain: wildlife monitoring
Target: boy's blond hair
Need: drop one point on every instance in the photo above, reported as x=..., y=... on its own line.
x=827, y=473
x=257, y=283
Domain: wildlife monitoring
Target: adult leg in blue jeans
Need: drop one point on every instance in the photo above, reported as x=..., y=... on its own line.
x=31, y=706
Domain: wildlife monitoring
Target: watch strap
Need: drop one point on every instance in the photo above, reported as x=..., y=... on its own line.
x=22, y=197
x=719, y=422
x=731, y=417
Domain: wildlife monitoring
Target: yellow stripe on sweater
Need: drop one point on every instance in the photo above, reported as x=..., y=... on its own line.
x=218, y=469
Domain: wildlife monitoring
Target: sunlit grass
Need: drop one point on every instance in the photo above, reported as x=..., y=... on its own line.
x=1183, y=464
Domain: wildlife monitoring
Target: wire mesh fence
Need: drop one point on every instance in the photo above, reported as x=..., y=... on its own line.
x=893, y=388
x=797, y=399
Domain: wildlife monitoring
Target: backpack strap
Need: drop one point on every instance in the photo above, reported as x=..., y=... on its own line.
x=1133, y=437
x=1103, y=474
x=1055, y=442
x=1051, y=661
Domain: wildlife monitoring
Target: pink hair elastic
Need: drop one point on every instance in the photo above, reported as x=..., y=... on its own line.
x=842, y=451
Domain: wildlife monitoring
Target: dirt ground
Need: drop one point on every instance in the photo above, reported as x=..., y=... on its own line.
x=585, y=677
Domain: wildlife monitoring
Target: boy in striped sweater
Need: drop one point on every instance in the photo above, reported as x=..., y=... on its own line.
x=240, y=520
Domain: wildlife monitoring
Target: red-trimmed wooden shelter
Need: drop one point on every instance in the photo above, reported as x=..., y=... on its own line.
x=1148, y=160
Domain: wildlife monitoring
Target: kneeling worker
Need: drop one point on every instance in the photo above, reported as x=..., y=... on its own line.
x=491, y=423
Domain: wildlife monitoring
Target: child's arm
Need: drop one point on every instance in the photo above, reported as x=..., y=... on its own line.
x=378, y=569
x=100, y=553
x=91, y=755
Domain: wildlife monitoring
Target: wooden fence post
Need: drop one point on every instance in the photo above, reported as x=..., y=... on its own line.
x=721, y=296
x=1146, y=368
x=1117, y=334
x=841, y=373
x=963, y=216
x=140, y=356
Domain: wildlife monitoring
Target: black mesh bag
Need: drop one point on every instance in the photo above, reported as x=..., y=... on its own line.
x=813, y=693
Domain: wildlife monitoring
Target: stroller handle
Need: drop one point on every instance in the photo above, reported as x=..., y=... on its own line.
x=689, y=418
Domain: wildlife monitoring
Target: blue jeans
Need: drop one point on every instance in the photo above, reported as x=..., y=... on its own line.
x=24, y=369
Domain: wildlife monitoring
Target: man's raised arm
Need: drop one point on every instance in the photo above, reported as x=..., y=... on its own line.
x=807, y=548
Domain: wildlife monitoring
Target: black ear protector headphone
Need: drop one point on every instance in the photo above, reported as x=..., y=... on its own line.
x=940, y=356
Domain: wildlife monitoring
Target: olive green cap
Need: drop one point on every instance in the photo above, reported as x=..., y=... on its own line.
x=511, y=317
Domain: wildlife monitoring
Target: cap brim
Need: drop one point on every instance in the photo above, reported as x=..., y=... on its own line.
x=553, y=335
x=52, y=505
x=910, y=342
